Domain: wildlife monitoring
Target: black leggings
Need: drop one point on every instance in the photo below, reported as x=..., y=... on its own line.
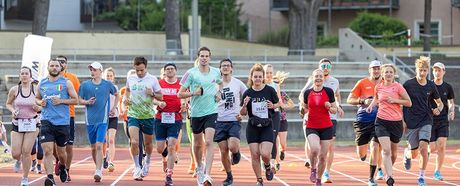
x=276, y=118
x=37, y=149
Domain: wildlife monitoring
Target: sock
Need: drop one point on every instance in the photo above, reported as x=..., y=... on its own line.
x=422, y=174
x=136, y=161
x=169, y=172
x=229, y=175
x=379, y=169
x=50, y=176
x=372, y=171
x=147, y=159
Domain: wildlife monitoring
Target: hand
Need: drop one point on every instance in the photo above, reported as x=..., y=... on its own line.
x=391, y=100
x=436, y=112
x=451, y=116
x=327, y=105
x=43, y=103
x=183, y=107
x=149, y=91
x=369, y=109
x=36, y=107
x=367, y=101
x=246, y=101
x=340, y=111
x=91, y=101
x=126, y=101
x=15, y=113
x=198, y=91
x=239, y=117
x=270, y=105
x=162, y=104
x=56, y=101
x=218, y=97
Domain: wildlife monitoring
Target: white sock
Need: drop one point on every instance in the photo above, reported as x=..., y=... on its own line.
x=422, y=173
x=136, y=161
x=147, y=158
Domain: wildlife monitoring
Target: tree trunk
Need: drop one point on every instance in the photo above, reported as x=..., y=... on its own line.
x=303, y=20
x=427, y=26
x=172, y=22
x=40, y=17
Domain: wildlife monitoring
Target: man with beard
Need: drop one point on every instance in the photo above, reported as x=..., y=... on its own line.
x=55, y=95
x=361, y=95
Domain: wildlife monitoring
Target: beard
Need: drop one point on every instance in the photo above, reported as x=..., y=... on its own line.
x=52, y=74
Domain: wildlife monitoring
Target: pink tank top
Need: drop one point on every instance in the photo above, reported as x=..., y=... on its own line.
x=24, y=103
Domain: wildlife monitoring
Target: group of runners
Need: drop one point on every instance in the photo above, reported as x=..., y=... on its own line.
x=216, y=103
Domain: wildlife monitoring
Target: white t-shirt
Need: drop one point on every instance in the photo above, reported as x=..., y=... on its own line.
x=141, y=106
x=229, y=106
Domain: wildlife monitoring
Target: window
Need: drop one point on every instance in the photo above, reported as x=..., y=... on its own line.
x=435, y=30
x=321, y=29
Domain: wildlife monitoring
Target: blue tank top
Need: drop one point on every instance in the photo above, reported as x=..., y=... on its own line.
x=55, y=114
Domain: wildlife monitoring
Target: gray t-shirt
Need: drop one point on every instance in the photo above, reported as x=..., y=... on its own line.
x=330, y=82
x=229, y=105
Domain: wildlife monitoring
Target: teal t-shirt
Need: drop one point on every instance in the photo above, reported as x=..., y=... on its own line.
x=205, y=104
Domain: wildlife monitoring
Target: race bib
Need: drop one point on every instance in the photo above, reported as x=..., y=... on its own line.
x=27, y=125
x=260, y=109
x=168, y=117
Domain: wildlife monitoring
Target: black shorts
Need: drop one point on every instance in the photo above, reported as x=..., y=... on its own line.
x=334, y=127
x=199, y=124
x=364, y=132
x=54, y=133
x=439, y=129
x=283, y=126
x=71, y=131
x=392, y=129
x=323, y=134
x=259, y=134
x=113, y=123
x=227, y=129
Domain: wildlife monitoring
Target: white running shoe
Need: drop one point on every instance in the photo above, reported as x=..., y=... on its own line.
x=24, y=181
x=145, y=170
x=98, y=176
x=207, y=180
x=137, y=174
x=200, y=174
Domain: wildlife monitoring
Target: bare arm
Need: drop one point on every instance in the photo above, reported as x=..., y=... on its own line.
x=11, y=98
x=72, y=93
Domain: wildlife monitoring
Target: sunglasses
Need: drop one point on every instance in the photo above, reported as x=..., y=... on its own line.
x=326, y=66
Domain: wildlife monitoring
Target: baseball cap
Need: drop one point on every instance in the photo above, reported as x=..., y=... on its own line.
x=95, y=65
x=375, y=63
x=439, y=65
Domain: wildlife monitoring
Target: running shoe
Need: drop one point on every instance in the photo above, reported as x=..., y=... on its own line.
x=199, y=171
x=56, y=168
x=371, y=183
x=98, y=176
x=145, y=170
x=406, y=160
x=326, y=177
x=68, y=177
x=313, y=176
x=260, y=182
x=168, y=181
x=207, y=180
x=282, y=155
x=111, y=167
x=390, y=181
x=50, y=182
x=39, y=169
x=62, y=173
x=318, y=182
x=437, y=175
x=106, y=163
x=33, y=166
x=24, y=181
x=307, y=164
x=137, y=174
x=228, y=182
x=277, y=166
x=236, y=157
x=380, y=175
x=269, y=173
x=421, y=182
x=17, y=166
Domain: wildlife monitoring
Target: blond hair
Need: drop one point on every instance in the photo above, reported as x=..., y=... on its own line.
x=422, y=62
x=256, y=67
x=110, y=69
x=388, y=65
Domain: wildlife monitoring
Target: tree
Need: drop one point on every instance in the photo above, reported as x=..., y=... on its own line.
x=427, y=26
x=172, y=25
x=40, y=17
x=303, y=20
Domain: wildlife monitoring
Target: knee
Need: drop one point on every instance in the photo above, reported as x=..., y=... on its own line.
x=171, y=147
x=322, y=157
x=386, y=152
x=208, y=143
x=98, y=147
x=314, y=151
x=134, y=143
x=16, y=155
x=111, y=141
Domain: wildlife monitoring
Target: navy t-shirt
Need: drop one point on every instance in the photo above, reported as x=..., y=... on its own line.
x=445, y=92
x=259, y=99
x=420, y=114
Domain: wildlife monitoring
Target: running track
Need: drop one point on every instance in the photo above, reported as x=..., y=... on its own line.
x=346, y=170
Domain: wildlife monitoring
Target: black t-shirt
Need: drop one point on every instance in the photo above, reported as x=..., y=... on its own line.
x=420, y=114
x=258, y=97
x=445, y=92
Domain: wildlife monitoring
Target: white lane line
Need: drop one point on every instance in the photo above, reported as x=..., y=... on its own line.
x=122, y=175
x=276, y=178
x=74, y=165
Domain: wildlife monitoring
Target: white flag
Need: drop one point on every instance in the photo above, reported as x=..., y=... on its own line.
x=35, y=54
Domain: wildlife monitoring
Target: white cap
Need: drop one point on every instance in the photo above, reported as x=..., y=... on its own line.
x=95, y=65
x=375, y=63
x=439, y=65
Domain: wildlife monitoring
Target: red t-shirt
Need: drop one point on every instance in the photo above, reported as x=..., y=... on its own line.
x=318, y=115
x=169, y=92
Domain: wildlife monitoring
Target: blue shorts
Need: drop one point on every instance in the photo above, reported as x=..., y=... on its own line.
x=227, y=129
x=164, y=131
x=144, y=125
x=96, y=133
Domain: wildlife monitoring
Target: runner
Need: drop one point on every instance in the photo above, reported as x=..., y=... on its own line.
x=276, y=118
x=228, y=124
x=140, y=92
x=418, y=118
x=109, y=75
x=37, y=157
x=319, y=103
x=332, y=83
x=362, y=95
x=21, y=103
x=389, y=96
x=440, y=130
x=95, y=95
x=285, y=104
x=55, y=95
x=205, y=86
x=69, y=146
x=259, y=103
x=168, y=119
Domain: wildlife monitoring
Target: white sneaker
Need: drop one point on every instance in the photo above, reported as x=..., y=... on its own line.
x=200, y=174
x=17, y=166
x=98, y=176
x=207, y=179
x=24, y=181
x=137, y=174
x=145, y=170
